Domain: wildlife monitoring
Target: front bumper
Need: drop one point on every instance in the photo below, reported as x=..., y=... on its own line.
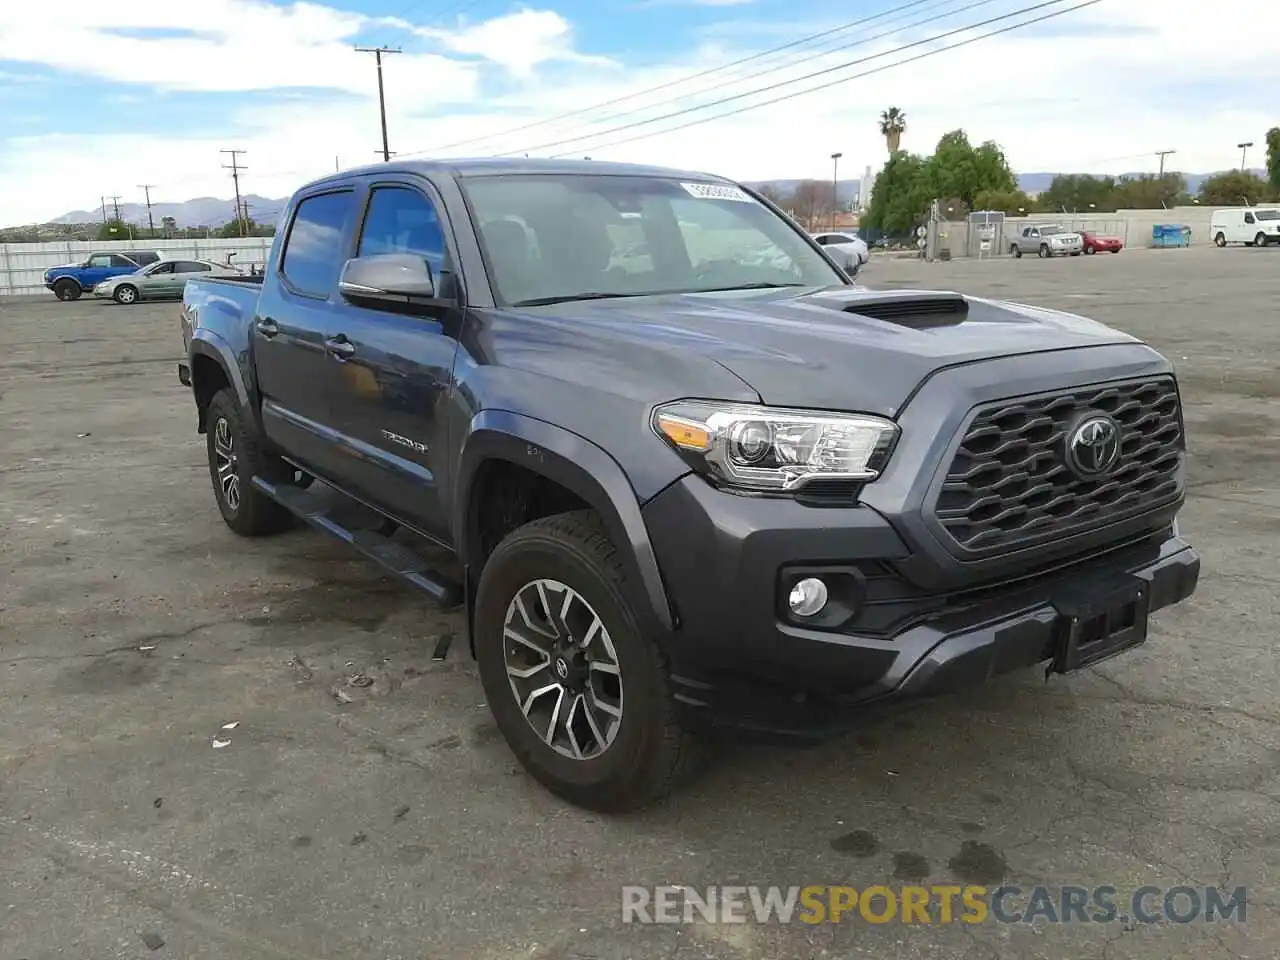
x=739, y=660
x=103, y=292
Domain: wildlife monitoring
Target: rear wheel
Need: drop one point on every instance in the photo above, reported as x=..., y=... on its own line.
x=1220, y=240
x=235, y=458
x=67, y=289
x=580, y=694
x=126, y=294
x=1017, y=254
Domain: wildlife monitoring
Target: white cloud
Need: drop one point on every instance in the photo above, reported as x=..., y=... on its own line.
x=1108, y=110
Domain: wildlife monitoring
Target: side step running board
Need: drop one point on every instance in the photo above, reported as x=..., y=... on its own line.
x=391, y=556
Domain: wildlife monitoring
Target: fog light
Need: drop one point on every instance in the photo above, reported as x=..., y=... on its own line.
x=808, y=597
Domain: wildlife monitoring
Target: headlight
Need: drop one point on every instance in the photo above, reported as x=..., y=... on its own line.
x=774, y=449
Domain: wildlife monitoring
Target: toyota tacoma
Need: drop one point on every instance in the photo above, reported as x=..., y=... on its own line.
x=683, y=474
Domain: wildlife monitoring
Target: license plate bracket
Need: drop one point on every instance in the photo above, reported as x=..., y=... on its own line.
x=1099, y=620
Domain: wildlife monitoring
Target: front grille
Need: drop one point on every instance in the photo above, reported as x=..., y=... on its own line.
x=1009, y=485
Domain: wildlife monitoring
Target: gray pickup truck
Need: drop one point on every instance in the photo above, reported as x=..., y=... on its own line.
x=683, y=474
x=1047, y=240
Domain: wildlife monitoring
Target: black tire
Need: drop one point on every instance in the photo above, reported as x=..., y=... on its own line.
x=650, y=753
x=249, y=512
x=1220, y=240
x=1090, y=250
x=1045, y=252
x=126, y=294
x=1017, y=254
x=1261, y=240
x=67, y=289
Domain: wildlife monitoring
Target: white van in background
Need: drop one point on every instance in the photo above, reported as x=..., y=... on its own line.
x=1252, y=226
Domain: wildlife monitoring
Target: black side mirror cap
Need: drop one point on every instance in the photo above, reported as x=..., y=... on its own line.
x=399, y=279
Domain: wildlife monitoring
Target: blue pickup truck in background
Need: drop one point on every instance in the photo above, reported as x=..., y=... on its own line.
x=71, y=280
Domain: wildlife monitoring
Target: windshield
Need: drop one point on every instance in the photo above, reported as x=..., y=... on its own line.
x=1049, y=230
x=549, y=238
x=1268, y=214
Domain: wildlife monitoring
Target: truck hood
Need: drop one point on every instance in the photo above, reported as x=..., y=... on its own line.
x=813, y=348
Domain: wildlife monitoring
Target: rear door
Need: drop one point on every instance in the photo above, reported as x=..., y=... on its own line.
x=294, y=314
x=388, y=396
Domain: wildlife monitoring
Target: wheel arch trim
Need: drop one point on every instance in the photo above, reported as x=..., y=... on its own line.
x=206, y=343
x=579, y=466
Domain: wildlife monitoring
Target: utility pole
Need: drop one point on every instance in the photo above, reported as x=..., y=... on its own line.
x=382, y=100
x=151, y=224
x=235, y=168
x=115, y=206
x=835, y=187
x=1244, y=150
x=1162, y=154
x=387, y=154
x=104, y=211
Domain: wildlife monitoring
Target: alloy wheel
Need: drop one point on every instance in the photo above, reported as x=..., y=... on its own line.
x=563, y=669
x=224, y=449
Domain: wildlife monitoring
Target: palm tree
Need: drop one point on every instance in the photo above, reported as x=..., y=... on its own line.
x=893, y=124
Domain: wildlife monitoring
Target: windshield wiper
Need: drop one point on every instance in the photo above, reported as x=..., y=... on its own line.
x=753, y=285
x=566, y=298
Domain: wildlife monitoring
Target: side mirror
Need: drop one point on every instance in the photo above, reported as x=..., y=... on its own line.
x=387, y=278
x=850, y=262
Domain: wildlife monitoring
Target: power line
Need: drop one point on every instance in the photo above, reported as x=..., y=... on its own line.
x=679, y=81
x=146, y=188
x=862, y=42
x=786, y=83
x=235, y=169
x=856, y=76
x=382, y=100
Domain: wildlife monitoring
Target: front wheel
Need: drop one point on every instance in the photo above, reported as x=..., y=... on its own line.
x=1261, y=240
x=1045, y=252
x=126, y=294
x=580, y=694
x=235, y=457
x=67, y=289
x=1090, y=250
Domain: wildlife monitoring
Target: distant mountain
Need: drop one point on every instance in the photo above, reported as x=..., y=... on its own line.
x=200, y=212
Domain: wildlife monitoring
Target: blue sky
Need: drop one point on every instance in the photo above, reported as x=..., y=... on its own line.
x=119, y=95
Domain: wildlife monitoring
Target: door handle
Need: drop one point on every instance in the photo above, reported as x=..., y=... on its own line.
x=267, y=327
x=340, y=346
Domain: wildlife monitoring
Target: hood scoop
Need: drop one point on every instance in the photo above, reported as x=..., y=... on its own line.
x=912, y=309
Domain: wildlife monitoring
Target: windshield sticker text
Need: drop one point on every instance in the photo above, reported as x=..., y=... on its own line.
x=716, y=191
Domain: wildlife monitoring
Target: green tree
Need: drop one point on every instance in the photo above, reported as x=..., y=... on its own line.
x=1233, y=188
x=240, y=227
x=901, y=195
x=958, y=169
x=1013, y=203
x=893, y=124
x=1078, y=192
x=1273, y=158
x=1147, y=191
x=114, y=229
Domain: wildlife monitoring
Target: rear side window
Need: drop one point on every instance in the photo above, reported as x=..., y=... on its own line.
x=190, y=266
x=401, y=220
x=314, y=253
x=117, y=260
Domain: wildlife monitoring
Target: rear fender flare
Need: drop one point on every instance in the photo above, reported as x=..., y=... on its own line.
x=578, y=465
x=206, y=343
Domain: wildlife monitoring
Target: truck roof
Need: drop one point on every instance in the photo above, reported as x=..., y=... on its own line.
x=492, y=166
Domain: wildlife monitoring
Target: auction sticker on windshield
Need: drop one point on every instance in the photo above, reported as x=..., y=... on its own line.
x=716, y=191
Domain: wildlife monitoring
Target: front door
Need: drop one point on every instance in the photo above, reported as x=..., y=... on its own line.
x=289, y=330
x=389, y=395
x=97, y=269
x=154, y=280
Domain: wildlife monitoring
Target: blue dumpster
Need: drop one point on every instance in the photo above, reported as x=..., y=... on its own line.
x=1170, y=235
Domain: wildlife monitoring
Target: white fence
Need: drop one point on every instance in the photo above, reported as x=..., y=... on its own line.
x=22, y=265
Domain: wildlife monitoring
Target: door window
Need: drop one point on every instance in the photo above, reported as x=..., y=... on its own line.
x=161, y=269
x=313, y=253
x=401, y=220
x=100, y=260
x=1248, y=218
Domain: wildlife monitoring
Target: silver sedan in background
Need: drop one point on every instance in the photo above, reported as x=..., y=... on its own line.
x=162, y=280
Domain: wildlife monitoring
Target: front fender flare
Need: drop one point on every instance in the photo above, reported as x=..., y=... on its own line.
x=578, y=465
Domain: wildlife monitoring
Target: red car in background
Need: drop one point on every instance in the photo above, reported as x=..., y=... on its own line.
x=1096, y=243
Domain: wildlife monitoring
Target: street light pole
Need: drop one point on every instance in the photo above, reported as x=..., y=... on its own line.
x=835, y=187
x=1244, y=151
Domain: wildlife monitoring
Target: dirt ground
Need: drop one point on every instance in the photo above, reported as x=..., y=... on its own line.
x=134, y=626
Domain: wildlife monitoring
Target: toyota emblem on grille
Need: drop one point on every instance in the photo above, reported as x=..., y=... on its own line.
x=1093, y=447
